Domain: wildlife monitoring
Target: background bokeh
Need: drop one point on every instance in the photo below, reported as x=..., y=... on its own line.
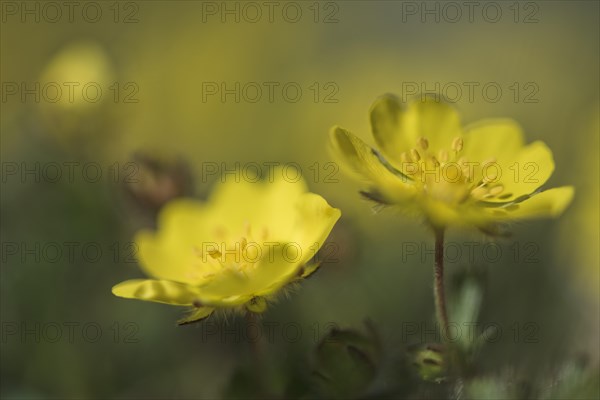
x=155, y=62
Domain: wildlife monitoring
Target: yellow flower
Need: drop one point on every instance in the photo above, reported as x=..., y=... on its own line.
x=235, y=251
x=433, y=167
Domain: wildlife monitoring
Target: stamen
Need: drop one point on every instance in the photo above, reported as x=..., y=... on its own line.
x=415, y=154
x=466, y=171
x=405, y=158
x=479, y=192
x=423, y=143
x=214, y=253
x=443, y=156
x=496, y=190
x=491, y=177
x=488, y=162
x=457, y=144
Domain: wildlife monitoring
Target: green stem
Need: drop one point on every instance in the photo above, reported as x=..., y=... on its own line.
x=255, y=347
x=257, y=369
x=438, y=285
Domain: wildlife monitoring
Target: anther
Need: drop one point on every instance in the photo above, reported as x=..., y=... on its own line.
x=479, y=192
x=496, y=190
x=491, y=177
x=423, y=143
x=457, y=144
x=214, y=253
x=405, y=158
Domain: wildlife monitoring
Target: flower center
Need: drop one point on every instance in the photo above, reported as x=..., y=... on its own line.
x=226, y=254
x=449, y=176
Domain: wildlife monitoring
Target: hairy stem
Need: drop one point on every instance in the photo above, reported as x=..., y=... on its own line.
x=254, y=343
x=438, y=285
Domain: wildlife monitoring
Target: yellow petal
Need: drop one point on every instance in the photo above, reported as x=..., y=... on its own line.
x=501, y=139
x=314, y=221
x=385, y=118
x=281, y=262
x=397, y=130
x=435, y=120
x=171, y=253
x=162, y=256
x=531, y=168
x=231, y=288
x=357, y=158
x=240, y=201
x=549, y=203
x=159, y=291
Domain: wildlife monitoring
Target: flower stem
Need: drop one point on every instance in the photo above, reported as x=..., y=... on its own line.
x=438, y=286
x=256, y=359
x=254, y=344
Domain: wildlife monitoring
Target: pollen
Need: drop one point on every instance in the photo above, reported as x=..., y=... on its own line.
x=430, y=171
x=239, y=256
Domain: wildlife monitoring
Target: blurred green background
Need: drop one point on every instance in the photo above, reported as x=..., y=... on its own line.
x=156, y=62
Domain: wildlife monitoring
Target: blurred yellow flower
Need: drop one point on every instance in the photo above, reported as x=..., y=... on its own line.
x=433, y=167
x=235, y=251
